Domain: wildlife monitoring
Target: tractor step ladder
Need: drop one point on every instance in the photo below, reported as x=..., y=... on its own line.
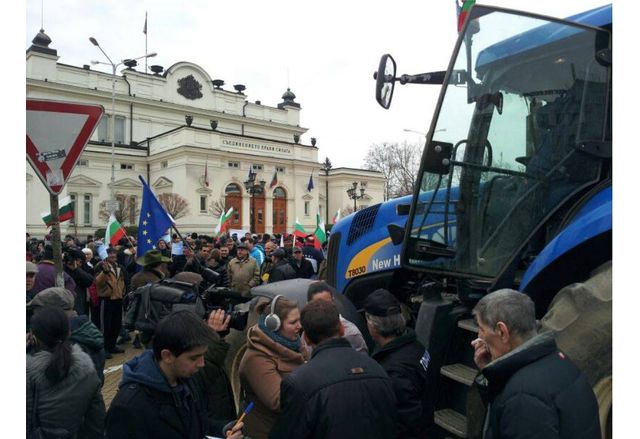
x=449, y=419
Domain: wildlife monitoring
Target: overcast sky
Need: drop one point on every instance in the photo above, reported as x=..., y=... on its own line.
x=325, y=52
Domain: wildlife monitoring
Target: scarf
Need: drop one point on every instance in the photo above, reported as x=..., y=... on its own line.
x=293, y=345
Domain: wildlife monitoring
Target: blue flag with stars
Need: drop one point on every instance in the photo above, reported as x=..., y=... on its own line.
x=154, y=221
x=310, y=184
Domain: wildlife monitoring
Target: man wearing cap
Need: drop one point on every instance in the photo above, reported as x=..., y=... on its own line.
x=405, y=360
x=73, y=261
x=243, y=271
x=281, y=269
x=32, y=271
x=310, y=251
x=47, y=274
x=301, y=266
x=110, y=285
x=83, y=332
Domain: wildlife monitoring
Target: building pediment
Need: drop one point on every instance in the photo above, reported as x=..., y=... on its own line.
x=162, y=183
x=307, y=197
x=204, y=190
x=126, y=183
x=83, y=181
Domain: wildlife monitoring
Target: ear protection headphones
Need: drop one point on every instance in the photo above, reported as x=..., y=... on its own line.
x=272, y=321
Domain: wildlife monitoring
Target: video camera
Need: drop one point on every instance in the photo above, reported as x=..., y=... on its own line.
x=223, y=298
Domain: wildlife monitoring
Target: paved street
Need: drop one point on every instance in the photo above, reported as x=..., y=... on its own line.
x=113, y=371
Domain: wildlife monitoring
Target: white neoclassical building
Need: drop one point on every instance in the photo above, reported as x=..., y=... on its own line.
x=173, y=126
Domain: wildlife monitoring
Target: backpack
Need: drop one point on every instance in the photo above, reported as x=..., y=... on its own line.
x=152, y=302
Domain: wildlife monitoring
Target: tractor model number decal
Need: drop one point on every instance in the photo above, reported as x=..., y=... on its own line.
x=353, y=272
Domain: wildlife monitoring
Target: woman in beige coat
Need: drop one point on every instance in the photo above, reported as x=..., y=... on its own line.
x=271, y=355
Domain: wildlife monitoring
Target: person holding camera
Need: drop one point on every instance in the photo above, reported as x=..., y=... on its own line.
x=273, y=352
x=111, y=287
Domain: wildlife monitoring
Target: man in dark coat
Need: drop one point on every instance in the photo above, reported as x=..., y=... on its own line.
x=405, y=360
x=339, y=393
x=533, y=389
x=46, y=277
x=156, y=398
x=302, y=266
x=281, y=269
x=73, y=262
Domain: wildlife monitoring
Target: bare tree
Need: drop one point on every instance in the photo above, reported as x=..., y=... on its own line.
x=174, y=204
x=217, y=207
x=127, y=211
x=399, y=163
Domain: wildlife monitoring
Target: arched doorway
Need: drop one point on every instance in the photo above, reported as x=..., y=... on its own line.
x=279, y=210
x=257, y=210
x=233, y=198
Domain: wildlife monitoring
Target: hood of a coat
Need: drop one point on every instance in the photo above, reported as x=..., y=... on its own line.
x=258, y=340
x=85, y=333
x=144, y=370
x=81, y=366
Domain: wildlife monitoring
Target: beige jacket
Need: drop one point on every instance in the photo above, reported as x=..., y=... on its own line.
x=110, y=285
x=243, y=274
x=264, y=365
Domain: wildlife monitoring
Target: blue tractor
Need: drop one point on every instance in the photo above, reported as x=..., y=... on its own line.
x=514, y=191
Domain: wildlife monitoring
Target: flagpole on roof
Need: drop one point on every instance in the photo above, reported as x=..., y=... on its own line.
x=146, y=37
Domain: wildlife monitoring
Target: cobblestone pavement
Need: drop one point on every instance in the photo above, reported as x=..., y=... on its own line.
x=113, y=371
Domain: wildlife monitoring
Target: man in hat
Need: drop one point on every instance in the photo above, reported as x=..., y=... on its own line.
x=32, y=271
x=404, y=359
x=47, y=273
x=243, y=271
x=301, y=265
x=73, y=262
x=83, y=332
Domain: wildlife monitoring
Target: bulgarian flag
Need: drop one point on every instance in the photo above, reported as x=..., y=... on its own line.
x=114, y=231
x=463, y=11
x=274, y=180
x=320, y=233
x=336, y=217
x=298, y=230
x=225, y=219
x=65, y=211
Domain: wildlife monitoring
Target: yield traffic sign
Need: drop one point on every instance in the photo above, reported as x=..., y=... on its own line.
x=57, y=132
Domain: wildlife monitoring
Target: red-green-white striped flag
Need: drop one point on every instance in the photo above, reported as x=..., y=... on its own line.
x=225, y=220
x=337, y=217
x=320, y=233
x=65, y=211
x=298, y=230
x=463, y=12
x=114, y=231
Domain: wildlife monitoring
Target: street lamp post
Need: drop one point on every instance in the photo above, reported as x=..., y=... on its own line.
x=326, y=167
x=352, y=192
x=112, y=204
x=253, y=188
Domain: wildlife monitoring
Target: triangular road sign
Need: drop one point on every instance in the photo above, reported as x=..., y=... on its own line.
x=57, y=132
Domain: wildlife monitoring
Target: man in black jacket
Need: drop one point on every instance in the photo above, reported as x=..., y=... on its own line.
x=405, y=360
x=301, y=265
x=339, y=393
x=533, y=389
x=157, y=398
x=73, y=262
x=281, y=268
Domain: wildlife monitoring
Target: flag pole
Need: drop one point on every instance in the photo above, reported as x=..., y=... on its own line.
x=146, y=37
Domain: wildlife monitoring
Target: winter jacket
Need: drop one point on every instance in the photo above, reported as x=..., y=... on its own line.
x=83, y=280
x=263, y=366
x=243, y=275
x=85, y=334
x=46, y=278
x=74, y=404
x=304, y=270
x=406, y=361
x=339, y=393
x=535, y=391
x=258, y=254
x=111, y=284
x=281, y=270
x=146, y=276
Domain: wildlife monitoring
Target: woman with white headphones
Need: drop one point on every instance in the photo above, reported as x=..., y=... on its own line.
x=273, y=352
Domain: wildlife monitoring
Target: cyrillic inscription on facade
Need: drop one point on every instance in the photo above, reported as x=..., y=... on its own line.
x=256, y=146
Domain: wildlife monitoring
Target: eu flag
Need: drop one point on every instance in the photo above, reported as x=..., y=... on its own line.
x=310, y=184
x=154, y=221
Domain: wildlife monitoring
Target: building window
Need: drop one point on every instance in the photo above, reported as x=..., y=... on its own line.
x=86, y=217
x=279, y=193
x=164, y=164
x=234, y=164
x=257, y=167
x=103, y=129
x=306, y=208
x=260, y=216
x=119, y=129
x=232, y=189
x=203, y=203
x=126, y=166
x=83, y=162
x=74, y=198
x=280, y=169
x=133, y=207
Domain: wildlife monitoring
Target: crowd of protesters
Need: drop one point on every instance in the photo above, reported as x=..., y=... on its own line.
x=306, y=372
